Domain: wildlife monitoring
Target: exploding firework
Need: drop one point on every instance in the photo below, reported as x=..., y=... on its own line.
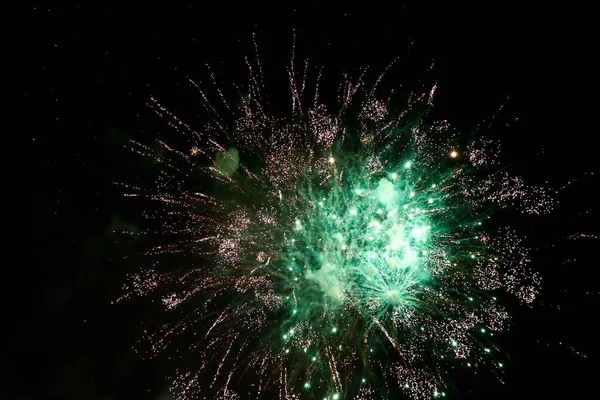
x=336, y=254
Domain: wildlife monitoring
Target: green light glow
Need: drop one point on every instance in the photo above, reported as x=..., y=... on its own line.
x=378, y=259
x=376, y=245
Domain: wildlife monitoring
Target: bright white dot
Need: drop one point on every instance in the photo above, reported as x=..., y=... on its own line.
x=394, y=175
x=407, y=164
x=453, y=154
x=331, y=160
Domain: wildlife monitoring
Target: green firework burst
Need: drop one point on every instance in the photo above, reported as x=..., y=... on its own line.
x=332, y=255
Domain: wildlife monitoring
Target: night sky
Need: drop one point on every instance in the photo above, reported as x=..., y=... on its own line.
x=89, y=72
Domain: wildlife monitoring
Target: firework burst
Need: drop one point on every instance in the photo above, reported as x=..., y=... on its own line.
x=348, y=254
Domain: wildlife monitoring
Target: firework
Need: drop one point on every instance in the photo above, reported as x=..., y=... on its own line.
x=329, y=254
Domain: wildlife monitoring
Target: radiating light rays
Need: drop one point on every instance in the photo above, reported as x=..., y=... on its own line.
x=344, y=254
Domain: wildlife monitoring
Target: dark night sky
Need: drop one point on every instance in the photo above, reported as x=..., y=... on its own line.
x=90, y=71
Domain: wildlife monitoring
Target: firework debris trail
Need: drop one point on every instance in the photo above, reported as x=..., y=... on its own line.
x=344, y=254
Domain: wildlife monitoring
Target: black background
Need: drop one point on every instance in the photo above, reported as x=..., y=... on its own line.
x=88, y=74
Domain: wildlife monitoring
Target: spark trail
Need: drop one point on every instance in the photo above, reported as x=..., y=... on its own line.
x=346, y=254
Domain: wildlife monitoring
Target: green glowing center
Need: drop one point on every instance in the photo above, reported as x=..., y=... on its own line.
x=368, y=244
